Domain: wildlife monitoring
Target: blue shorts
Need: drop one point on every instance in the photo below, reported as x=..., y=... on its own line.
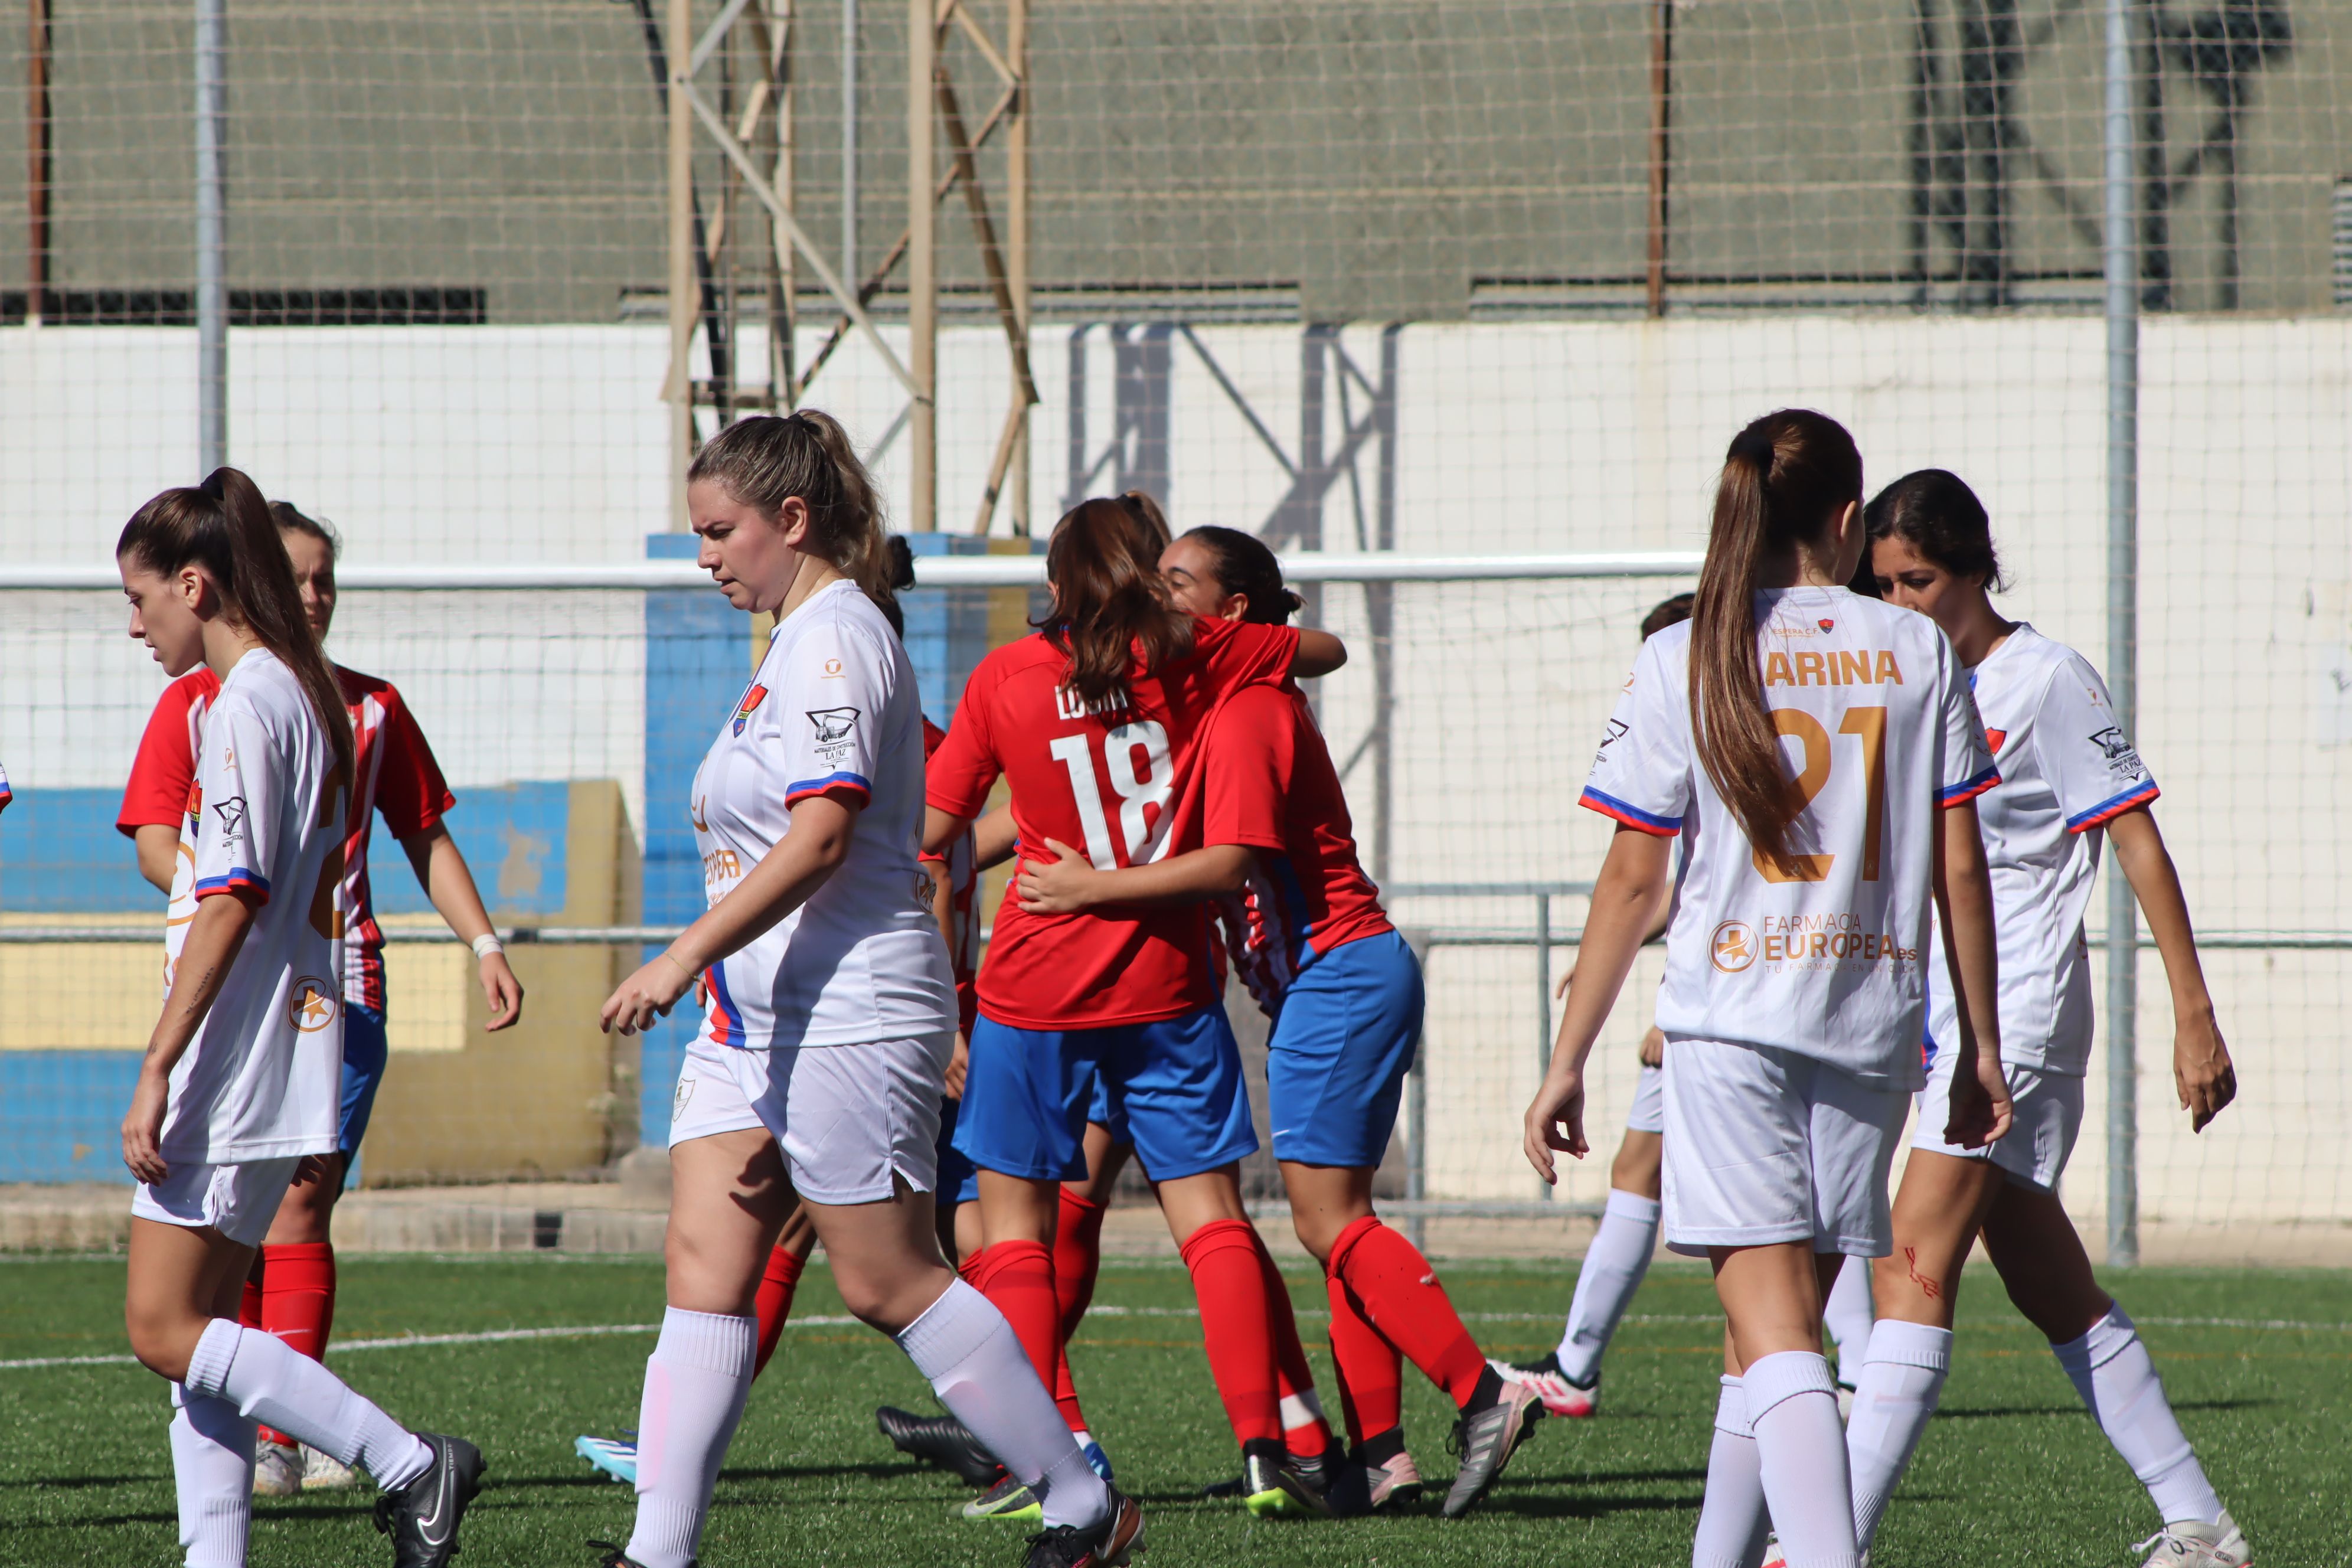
x=1336, y=1064
x=1103, y=1111
x=958, y=1180
x=1172, y=1087
x=363, y=1056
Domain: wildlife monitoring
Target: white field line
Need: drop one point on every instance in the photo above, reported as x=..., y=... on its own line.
x=838, y=1320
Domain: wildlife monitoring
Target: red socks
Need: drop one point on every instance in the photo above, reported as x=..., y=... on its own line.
x=1077, y=1259
x=1236, y=1323
x=1370, y=1369
x=295, y=1301
x=1398, y=1293
x=1018, y=1278
x=774, y=1302
x=1304, y=1432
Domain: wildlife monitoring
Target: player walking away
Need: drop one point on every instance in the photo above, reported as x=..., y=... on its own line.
x=1794, y=994
x=2068, y=774
x=291, y=1292
x=237, y=1098
x=830, y=1012
x=1305, y=928
x=1092, y=723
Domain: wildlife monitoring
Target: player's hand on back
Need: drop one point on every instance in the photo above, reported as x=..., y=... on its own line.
x=1062, y=886
x=502, y=991
x=1555, y=1120
x=2201, y=1069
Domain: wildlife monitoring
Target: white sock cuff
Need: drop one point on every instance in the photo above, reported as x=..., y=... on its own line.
x=1784, y=1375
x=1909, y=1344
x=209, y=1362
x=1623, y=1204
x=950, y=1330
x=1731, y=1410
x=2101, y=1344
x=1301, y=1409
x=708, y=1341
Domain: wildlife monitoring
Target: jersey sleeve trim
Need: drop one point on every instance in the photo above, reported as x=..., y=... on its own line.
x=1954, y=795
x=846, y=784
x=1631, y=815
x=2106, y=811
x=244, y=883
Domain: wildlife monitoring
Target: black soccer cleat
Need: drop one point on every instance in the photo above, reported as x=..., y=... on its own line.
x=1491, y=1429
x=1109, y=1544
x=941, y=1440
x=618, y=1557
x=422, y=1518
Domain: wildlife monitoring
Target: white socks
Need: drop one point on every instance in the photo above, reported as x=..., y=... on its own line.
x=1793, y=1407
x=1613, y=1267
x=1731, y=1519
x=1846, y=1314
x=2112, y=1372
x=978, y=1369
x=212, y=1461
x=271, y=1382
x=1893, y=1398
x=696, y=1383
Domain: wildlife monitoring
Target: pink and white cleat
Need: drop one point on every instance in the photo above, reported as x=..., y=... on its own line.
x=1560, y=1396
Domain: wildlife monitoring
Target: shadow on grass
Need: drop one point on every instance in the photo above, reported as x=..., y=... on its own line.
x=1980, y=1412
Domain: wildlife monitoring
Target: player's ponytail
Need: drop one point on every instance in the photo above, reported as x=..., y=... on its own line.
x=1110, y=606
x=1785, y=480
x=1936, y=514
x=225, y=526
x=766, y=460
x=1246, y=566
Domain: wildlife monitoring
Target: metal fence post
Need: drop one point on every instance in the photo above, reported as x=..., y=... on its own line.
x=1544, y=1189
x=212, y=235
x=2121, y=265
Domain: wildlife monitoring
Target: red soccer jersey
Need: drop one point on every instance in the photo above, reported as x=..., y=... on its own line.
x=1267, y=782
x=397, y=776
x=1103, y=782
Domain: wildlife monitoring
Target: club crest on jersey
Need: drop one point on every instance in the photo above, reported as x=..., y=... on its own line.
x=752, y=697
x=311, y=1006
x=1826, y=624
x=832, y=724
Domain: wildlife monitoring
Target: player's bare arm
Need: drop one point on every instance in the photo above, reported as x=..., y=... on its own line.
x=2203, y=1072
x=158, y=848
x=1963, y=891
x=993, y=838
x=1624, y=898
x=1320, y=653
x=1070, y=883
x=442, y=872
x=215, y=936
x=786, y=877
x=942, y=828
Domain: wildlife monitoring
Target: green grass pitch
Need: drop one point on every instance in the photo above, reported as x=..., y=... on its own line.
x=2013, y=1473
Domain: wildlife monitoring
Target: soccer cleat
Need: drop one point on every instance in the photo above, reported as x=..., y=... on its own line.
x=2218, y=1544
x=326, y=1473
x=944, y=1441
x=1486, y=1439
x=615, y=1457
x=1007, y=1499
x=1396, y=1484
x=277, y=1470
x=1560, y=1397
x=1773, y=1556
x=1272, y=1487
x=618, y=1557
x=422, y=1518
x=1105, y=1545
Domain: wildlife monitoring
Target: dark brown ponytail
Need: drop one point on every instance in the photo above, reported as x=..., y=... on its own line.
x=1110, y=605
x=1785, y=480
x=765, y=460
x=224, y=526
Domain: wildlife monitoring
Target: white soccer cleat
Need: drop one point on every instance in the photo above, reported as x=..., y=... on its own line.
x=1560, y=1396
x=277, y=1470
x=2217, y=1544
x=326, y=1473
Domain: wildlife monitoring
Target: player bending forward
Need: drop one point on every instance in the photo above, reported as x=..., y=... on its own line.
x=2068, y=774
x=291, y=1292
x=831, y=1012
x=1794, y=991
x=237, y=1098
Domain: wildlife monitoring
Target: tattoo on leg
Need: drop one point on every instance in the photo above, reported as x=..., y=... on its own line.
x=1931, y=1288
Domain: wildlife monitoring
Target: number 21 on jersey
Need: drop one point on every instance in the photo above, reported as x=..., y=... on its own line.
x=1867, y=724
x=1136, y=757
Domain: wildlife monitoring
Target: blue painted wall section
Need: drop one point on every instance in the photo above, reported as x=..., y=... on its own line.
x=949, y=630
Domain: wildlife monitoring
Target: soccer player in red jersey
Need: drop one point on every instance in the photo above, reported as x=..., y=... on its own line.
x=1092, y=724
x=1305, y=932
x=291, y=1291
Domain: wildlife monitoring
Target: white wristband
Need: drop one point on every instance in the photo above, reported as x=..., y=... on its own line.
x=487, y=943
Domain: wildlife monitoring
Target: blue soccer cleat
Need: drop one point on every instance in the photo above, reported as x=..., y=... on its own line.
x=616, y=1456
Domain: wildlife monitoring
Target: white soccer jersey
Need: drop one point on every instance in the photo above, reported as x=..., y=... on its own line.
x=262, y=1077
x=1825, y=963
x=2066, y=767
x=831, y=709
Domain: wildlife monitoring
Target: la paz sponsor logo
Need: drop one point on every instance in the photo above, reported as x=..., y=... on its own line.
x=311, y=1006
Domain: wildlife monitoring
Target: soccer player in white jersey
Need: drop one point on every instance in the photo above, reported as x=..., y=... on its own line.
x=237, y=1098
x=2069, y=775
x=830, y=1016
x=1795, y=988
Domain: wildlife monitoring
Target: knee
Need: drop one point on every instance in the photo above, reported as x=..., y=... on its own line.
x=891, y=1305
x=1318, y=1233
x=164, y=1342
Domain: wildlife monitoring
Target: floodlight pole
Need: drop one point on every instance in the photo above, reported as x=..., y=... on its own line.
x=2121, y=259
x=212, y=235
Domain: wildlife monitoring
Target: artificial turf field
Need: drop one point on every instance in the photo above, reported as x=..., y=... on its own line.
x=2259, y=1366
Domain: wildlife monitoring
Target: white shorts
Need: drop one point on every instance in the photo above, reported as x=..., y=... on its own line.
x=2034, y=1151
x=849, y=1118
x=238, y=1201
x=1649, y=1112
x=1765, y=1145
